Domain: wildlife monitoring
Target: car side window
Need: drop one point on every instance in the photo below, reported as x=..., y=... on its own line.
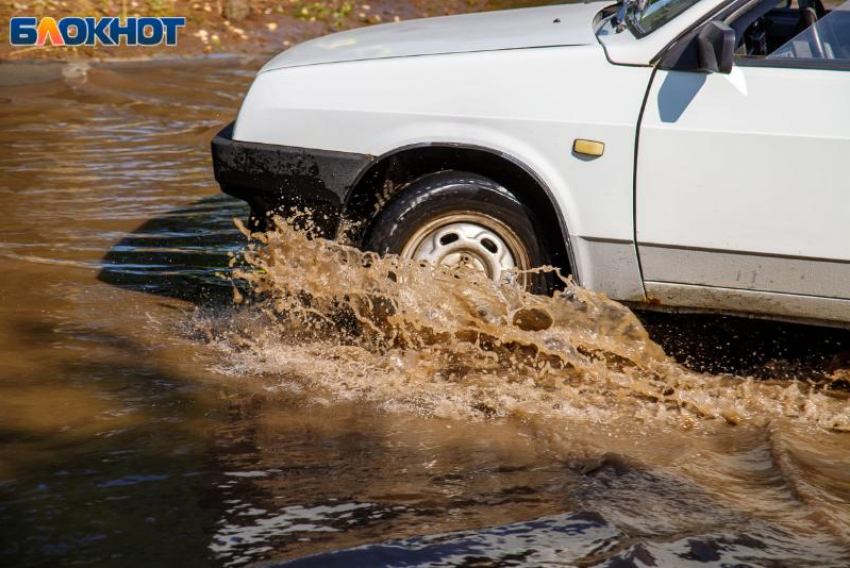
x=802, y=33
x=824, y=38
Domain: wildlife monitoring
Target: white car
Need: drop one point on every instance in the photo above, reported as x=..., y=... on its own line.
x=676, y=154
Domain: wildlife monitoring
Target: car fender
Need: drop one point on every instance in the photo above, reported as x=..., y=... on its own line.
x=529, y=104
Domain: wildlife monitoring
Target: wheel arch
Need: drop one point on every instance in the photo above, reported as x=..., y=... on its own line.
x=393, y=171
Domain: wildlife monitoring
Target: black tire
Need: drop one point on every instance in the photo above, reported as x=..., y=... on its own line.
x=454, y=193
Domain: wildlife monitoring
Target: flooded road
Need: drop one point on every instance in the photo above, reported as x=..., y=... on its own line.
x=147, y=420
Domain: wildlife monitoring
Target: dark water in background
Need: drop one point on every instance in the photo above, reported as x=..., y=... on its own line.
x=128, y=439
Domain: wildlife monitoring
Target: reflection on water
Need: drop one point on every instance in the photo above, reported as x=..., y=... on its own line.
x=576, y=539
x=133, y=435
x=182, y=254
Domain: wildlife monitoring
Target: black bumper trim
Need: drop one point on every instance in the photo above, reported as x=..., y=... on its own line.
x=279, y=178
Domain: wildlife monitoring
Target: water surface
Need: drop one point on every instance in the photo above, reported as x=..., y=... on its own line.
x=145, y=420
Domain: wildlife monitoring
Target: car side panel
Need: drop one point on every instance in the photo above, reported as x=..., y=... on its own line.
x=530, y=104
x=754, y=164
x=742, y=186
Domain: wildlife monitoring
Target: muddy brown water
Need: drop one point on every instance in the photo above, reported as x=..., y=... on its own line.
x=147, y=420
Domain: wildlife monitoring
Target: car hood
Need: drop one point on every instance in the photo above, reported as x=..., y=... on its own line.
x=546, y=26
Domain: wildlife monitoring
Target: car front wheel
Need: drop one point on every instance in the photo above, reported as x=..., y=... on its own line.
x=457, y=219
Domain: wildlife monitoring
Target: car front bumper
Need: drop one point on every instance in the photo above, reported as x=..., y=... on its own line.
x=285, y=180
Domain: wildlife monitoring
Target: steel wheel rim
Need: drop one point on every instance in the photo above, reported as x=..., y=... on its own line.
x=473, y=240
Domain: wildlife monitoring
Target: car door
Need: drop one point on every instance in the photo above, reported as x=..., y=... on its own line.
x=743, y=188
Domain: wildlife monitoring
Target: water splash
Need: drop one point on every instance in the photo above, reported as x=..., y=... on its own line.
x=450, y=342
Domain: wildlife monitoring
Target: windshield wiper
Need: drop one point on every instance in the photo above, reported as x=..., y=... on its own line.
x=625, y=16
x=627, y=7
x=618, y=22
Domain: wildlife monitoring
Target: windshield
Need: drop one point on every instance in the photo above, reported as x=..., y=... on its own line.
x=644, y=17
x=826, y=38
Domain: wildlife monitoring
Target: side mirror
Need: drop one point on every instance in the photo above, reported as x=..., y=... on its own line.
x=716, y=45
